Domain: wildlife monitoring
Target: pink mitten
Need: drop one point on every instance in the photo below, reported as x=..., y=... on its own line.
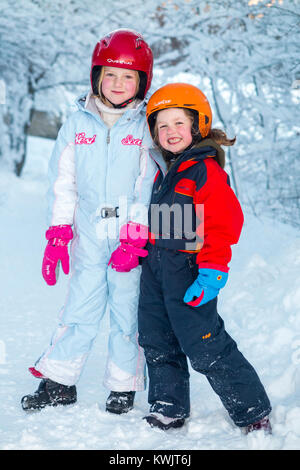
x=56, y=251
x=133, y=238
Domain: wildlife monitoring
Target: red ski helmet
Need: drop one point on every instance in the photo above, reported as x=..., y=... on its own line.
x=123, y=48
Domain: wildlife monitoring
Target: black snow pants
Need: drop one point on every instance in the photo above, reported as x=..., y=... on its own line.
x=171, y=331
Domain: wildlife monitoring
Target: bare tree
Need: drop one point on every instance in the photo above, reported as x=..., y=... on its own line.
x=40, y=50
x=243, y=54
x=246, y=58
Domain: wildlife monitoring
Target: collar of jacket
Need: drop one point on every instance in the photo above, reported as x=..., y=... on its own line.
x=219, y=155
x=156, y=155
x=199, y=151
x=131, y=113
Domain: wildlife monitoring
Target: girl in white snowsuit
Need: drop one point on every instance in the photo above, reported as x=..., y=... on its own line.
x=101, y=179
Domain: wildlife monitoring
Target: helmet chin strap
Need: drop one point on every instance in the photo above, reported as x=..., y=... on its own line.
x=121, y=105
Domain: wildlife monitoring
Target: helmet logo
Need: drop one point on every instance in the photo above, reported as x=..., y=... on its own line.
x=117, y=61
x=162, y=102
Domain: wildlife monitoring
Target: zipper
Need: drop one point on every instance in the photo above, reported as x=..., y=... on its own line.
x=190, y=261
x=107, y=162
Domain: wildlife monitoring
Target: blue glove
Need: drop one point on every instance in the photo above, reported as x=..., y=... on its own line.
x=206, y=287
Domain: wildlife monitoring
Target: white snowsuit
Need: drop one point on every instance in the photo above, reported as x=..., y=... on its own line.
x=93, y=167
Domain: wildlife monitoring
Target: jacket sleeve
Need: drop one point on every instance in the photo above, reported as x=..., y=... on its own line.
x=143, y=186
x=220, y=218
x=62, y=193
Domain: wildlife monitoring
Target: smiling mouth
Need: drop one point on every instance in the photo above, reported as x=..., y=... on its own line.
x=174, y=140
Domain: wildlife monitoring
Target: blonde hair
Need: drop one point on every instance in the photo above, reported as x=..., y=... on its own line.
x=217, y=135
x=100, y=79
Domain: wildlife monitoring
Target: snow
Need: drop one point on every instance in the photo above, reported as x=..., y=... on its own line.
x=260, y=306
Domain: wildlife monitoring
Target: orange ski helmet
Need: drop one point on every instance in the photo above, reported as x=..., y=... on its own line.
x=181, y=95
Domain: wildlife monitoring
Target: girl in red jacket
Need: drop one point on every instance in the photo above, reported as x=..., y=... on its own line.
x=194, y=219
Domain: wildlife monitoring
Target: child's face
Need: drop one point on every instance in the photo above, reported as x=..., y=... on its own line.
x=174, y=129
x=119, y=85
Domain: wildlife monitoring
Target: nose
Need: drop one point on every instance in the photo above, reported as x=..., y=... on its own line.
x=118, y=82
x=170, y=129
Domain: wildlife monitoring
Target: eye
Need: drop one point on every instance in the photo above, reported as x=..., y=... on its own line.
x=130, y=78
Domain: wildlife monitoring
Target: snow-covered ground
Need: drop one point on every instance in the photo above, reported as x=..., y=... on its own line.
x=260, y=306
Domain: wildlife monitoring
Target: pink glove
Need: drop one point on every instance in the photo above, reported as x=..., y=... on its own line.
x=56, y=251
x=133, y=238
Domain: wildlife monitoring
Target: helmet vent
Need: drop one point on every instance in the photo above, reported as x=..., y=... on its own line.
x=138, y=43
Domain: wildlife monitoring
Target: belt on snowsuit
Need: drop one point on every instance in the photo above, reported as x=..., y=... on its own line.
x=107, y=212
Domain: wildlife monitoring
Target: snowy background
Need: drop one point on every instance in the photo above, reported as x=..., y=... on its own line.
x=260, y=306
x=245, y=56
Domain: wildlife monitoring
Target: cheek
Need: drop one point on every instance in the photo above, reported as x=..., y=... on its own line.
x=162, y=136
x=131, y=87
x=105, y=85
x=187, y=135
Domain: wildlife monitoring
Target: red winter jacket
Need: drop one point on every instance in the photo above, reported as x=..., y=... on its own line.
x=194, y=209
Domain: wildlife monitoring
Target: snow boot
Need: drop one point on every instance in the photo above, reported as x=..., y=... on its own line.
x=262, y=425
x=157, y=420
x=49, y=393
x=120, y=402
